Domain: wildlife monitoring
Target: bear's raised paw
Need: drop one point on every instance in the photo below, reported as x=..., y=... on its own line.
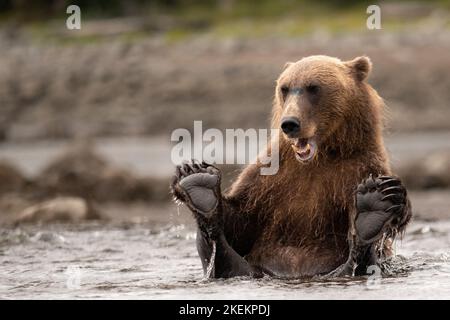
x=380, y=204
x=198, y=186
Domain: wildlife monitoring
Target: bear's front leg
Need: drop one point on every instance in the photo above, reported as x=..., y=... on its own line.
x=382, y=210
x=198, y=186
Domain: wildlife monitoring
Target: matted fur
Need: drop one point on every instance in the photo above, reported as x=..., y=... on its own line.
x=306, y=208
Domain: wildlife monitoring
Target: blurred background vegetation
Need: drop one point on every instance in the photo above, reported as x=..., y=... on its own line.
x=182, y=18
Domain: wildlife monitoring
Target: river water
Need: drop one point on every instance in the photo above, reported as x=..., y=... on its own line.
x=155, y=257
x=144, y=261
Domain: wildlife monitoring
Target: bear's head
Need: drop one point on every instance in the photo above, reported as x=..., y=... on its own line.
x=321, y=104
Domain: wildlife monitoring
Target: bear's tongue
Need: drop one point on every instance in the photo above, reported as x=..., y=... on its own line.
x=306, y=148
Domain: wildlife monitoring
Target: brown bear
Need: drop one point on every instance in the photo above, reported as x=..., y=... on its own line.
x=332, y=209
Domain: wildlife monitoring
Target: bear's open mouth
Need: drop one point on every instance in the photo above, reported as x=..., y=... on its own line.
x=305, y=149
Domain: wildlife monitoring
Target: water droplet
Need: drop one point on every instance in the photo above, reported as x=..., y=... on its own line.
x=210, y=267
x=425, y=229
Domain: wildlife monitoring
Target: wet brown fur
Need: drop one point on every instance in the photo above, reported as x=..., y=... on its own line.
x=304, y=211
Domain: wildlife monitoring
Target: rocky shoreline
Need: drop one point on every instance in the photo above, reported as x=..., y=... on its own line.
x=82, y=184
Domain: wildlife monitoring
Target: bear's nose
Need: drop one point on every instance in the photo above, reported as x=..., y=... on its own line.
x=290, y=126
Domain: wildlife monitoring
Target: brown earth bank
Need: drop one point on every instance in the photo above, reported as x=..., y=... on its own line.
x=81, y=172
x=426, y=172
x=431, y=205
x=78, y=185
x=149, y=85
x=81, y=184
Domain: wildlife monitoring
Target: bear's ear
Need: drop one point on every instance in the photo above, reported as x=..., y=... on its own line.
x=360, y=67
x=287, y=65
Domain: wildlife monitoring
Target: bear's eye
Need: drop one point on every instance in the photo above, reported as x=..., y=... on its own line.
x=313, y=89
x=284, y=91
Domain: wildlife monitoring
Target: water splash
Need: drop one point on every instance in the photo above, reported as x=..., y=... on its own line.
x=178, y=214
x=212, y=260
x=381, y=246
x=37, y=267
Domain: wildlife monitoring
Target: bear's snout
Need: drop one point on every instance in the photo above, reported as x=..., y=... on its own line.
x=290, y=126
